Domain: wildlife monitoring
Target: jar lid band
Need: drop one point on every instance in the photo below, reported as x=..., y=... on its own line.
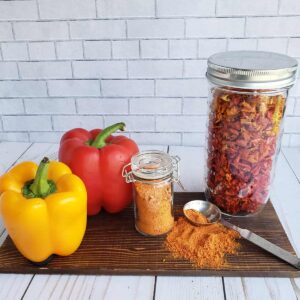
x=252, y=69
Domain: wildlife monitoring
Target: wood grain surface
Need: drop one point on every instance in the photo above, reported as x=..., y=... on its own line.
x=112, y=246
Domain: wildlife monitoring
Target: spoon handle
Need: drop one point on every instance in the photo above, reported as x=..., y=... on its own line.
x=266, y=245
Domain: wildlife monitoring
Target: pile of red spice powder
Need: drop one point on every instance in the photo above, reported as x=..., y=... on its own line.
x=204, y=246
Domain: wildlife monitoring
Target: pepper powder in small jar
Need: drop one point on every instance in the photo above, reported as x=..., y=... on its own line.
x=152, y=174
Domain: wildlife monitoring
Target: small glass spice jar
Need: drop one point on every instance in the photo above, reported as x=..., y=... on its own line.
x=152, y=174
x=247, y=99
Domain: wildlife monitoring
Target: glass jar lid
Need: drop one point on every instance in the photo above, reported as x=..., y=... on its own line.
x=152, y=164
x=252, y=69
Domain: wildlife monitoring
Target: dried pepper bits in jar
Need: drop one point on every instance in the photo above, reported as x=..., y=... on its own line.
x=242, y=140
x=152, y=174
x=247, y=100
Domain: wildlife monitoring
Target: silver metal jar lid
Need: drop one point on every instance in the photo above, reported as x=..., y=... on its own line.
x=252, y=69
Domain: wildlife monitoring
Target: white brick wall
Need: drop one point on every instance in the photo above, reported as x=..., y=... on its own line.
x=100, y=69
x=216, y=27
x=18, y=10
x=181, y=87
x=247, y=7
x=195, y=68
x=46, y=106
x=158, y=106
x=127, y=88
x=157, y=138
x=269, y=44
x=207, y=47
x=179, y=123
x=154, y=48
x=294, y=47
x=133, y=123
x=155, y=69
x=11, y=106
x=23, y=89
x=242, y=44
x=6, y=33
x=198, y=8
x=41, y=51
x=183, y=48
x=33, y=31
x=289, y=7
x=45, y=70
x=8, y=70
x=62, y=123
x=125, y=49
x=26, y=123
x=128, y=8
x=65, y=88
x=14, y=51
x=273, y=26
x=155, y=28
x=90, y=63
x=109, y=106
x=98, y=29
x=67, y=9
x=97, y=49
x=69, y=50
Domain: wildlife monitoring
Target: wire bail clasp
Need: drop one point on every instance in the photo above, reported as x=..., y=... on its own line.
x=129, y=178
x=176, y=171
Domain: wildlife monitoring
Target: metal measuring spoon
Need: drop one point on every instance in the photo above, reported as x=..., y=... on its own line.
x=209, y=210
x=213, y=215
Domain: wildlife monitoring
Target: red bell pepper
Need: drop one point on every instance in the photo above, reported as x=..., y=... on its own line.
x=98, y=159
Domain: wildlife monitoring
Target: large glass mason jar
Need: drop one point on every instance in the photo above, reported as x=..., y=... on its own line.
x=247, y=99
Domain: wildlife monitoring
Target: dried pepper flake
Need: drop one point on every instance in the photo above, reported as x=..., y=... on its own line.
x=242, y=137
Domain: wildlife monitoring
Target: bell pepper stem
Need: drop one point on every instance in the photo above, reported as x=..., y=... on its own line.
x=99, y=141
x=40, y=185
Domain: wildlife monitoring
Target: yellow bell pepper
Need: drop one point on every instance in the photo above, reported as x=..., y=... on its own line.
x=44, y=209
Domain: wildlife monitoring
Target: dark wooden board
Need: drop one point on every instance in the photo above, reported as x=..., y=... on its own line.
x=112, y=246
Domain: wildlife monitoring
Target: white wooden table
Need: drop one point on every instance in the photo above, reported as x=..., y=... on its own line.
x=285, y=197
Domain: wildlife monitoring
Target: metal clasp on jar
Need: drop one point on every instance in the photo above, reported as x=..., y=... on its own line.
x=128, y=175
x=129, y=178
x=176, y=173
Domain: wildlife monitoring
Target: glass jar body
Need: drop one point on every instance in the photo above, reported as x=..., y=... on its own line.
x=243, y=141
x=153, y=206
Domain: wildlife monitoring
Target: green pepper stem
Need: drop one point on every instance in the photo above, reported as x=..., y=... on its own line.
x=99, y=141
x=40, y=185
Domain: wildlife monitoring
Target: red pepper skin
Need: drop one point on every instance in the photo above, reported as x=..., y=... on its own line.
x=100, y=169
